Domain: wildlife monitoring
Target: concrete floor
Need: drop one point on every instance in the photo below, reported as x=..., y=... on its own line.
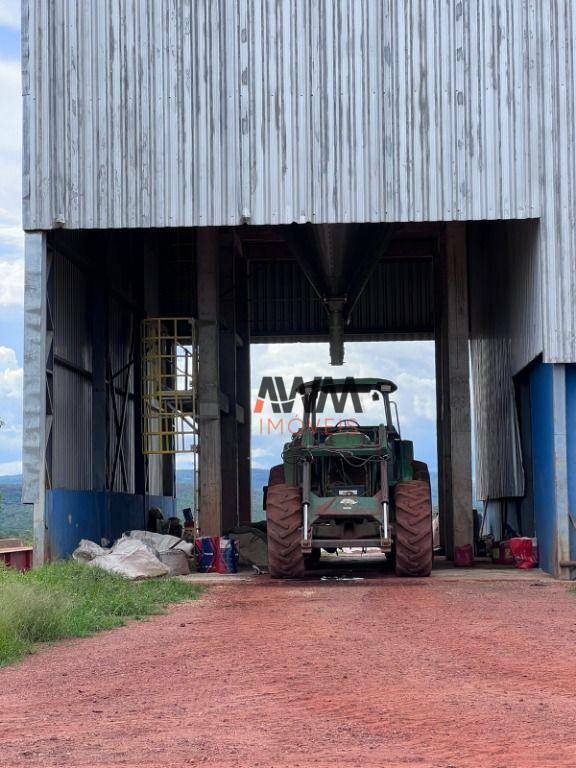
x=369, y=567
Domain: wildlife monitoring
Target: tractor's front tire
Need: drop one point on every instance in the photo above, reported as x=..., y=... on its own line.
x=414, y=547
x=284, y=523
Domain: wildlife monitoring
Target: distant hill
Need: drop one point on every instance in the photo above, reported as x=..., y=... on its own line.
x=184, y=490
x=16, y=518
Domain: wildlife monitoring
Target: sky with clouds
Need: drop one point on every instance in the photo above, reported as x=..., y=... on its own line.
x=409, y=364
x=11, y=240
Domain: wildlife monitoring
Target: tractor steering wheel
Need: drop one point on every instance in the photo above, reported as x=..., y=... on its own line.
x=347, y=424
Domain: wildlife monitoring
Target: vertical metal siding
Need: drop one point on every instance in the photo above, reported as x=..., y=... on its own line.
x=72, y=338
x=170, y=113
x=72, y=431
x=557, y=90
x=506, y=334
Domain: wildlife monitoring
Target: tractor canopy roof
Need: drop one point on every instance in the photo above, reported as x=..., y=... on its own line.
x=327, y=384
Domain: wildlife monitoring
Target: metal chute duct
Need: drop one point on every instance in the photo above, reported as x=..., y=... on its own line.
x=336, y=330
x=338, y=260
x=333, y=246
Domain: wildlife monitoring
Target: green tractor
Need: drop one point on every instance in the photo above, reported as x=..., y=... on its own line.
x=348, y=486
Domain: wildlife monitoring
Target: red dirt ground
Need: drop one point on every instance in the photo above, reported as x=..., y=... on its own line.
x=437, y=673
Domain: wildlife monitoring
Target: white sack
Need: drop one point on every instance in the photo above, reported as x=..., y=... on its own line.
x=87, y=550
x=163, y=541
x=176, y=561
x=131, y=558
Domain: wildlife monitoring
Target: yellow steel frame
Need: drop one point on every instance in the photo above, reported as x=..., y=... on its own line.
x=170, y=386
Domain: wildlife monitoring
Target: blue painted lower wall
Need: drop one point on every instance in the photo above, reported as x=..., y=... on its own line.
x=95, y=515
x=547, y=456
x=542, y=421
x=571, y=452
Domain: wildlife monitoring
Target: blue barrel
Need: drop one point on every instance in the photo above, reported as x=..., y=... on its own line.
x=228, y=555
x=216, y=554
x=207, y=551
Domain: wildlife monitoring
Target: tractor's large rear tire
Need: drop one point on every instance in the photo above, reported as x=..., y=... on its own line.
x=284, y=523
x=276, y=475
x=421, y=471
x=414, y=547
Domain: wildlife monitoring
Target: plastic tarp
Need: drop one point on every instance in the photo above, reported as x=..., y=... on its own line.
x=163, y=542
x=252, y=544
x=87, y=550
x=128, y=557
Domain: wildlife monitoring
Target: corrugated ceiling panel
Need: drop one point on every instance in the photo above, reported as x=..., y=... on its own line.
x=170, y=113
x=397, y=302
x=399, y=298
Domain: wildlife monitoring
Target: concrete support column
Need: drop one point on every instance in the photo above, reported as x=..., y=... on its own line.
x=210, y=464
x=453, y=391
x=37, y=353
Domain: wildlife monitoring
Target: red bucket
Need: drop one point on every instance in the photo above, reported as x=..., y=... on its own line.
x=464, y=556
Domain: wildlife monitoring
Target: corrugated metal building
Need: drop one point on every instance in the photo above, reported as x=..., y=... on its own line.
x=173, y=115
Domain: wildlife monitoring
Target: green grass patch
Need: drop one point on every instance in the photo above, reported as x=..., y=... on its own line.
x=68, y=599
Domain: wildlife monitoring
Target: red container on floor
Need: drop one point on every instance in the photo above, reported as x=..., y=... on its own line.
x=522, y=551
x=464, y=556
x=505, y=557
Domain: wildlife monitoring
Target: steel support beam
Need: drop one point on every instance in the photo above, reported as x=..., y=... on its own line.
x=99, y=329
x=243, y=392
x=227, y=384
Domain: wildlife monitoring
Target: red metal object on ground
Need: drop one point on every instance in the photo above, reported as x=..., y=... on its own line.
x=15, y=555
x=522, y=551
x=464, y=556
x=505, y=557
